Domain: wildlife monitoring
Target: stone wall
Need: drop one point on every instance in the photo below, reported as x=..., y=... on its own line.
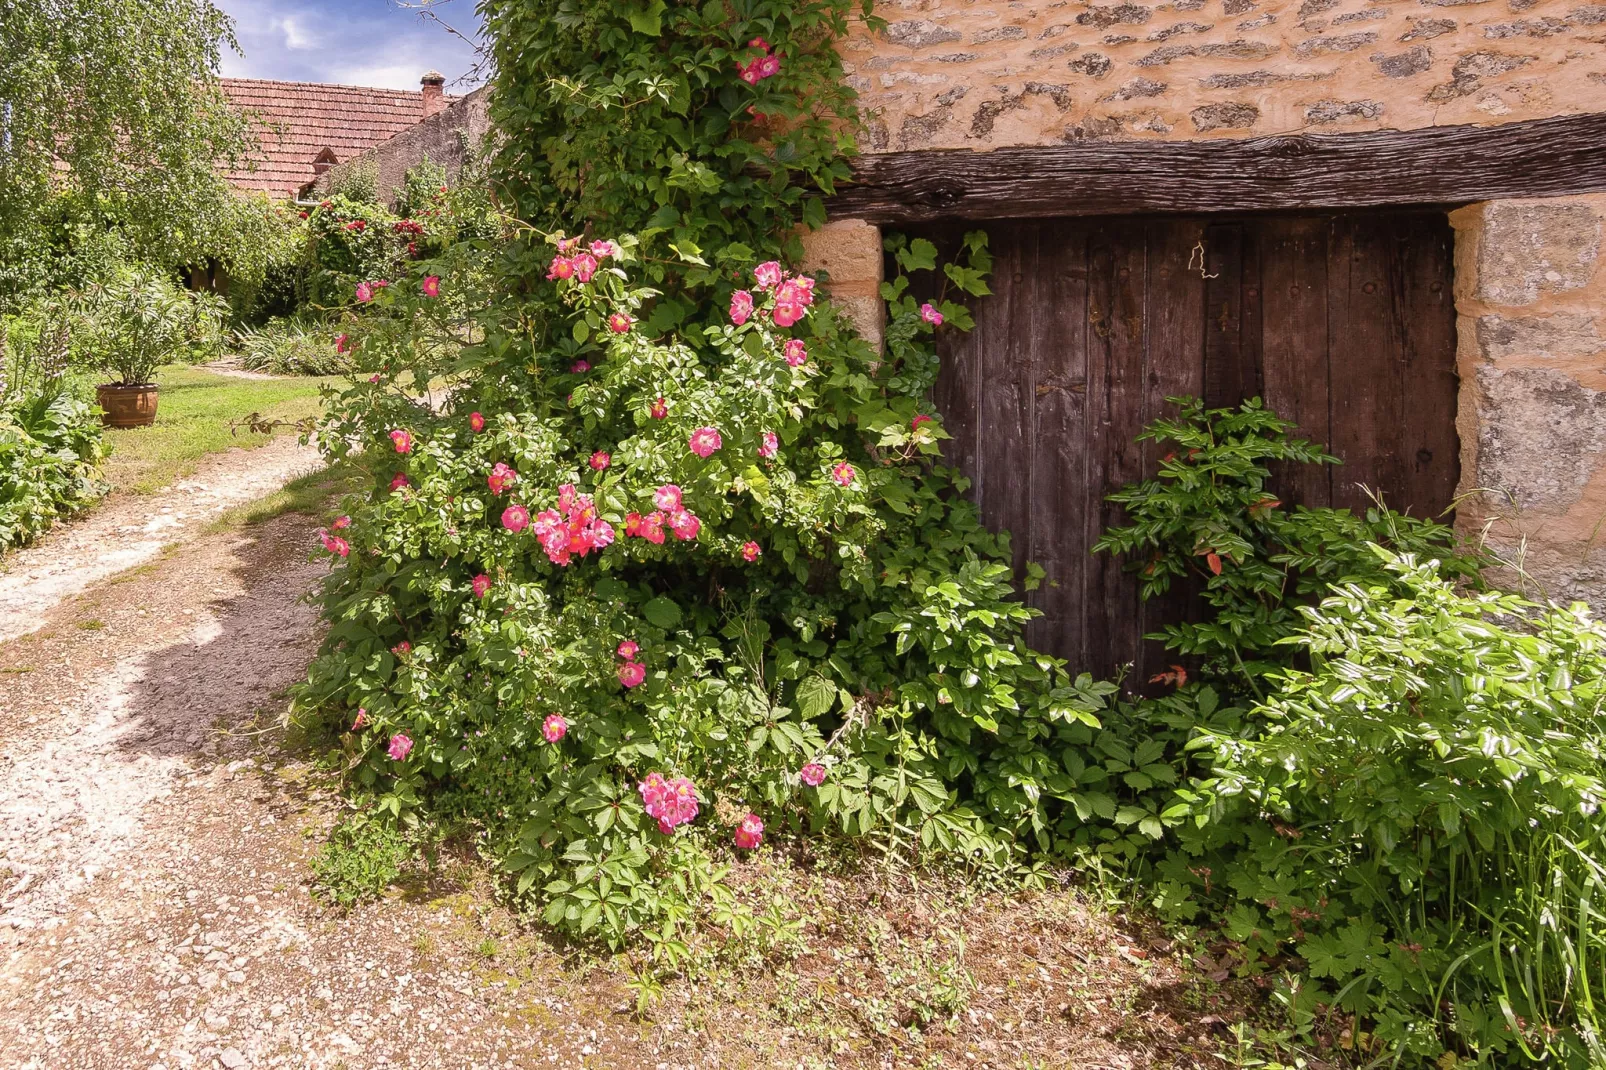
x=985, y=73
x=1531, y=293
x=449, y=137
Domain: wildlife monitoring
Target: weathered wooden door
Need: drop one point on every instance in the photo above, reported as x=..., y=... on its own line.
x=1345, y=324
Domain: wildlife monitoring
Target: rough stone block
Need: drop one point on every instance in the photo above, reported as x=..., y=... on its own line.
x=849, y=251
x=1540, y=435
x=1530, y=249
x=1561, y=335
x=1230, y=116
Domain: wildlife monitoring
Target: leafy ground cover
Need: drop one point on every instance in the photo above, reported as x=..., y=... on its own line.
x=202, y=412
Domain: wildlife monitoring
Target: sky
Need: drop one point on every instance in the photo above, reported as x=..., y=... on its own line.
x=352, y=42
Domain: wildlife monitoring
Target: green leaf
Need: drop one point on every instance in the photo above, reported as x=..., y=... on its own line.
x=661, y=612
x=648, y=21
x=815, y=695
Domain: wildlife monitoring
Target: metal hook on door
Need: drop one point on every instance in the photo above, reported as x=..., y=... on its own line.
x=1199, y=255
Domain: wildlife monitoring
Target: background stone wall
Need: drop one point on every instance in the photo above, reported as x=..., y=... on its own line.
x=985, y=73
x=449, y=138
x=1530, y=293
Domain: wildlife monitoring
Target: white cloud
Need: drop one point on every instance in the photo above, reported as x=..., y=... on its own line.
x=296, y=38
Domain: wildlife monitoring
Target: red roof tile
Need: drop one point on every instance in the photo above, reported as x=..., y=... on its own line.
x=295, y=121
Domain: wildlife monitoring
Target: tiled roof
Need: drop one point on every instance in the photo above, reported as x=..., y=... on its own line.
x=295, y=121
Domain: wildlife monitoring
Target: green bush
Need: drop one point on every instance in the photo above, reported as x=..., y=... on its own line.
x=50, y=440
x=139, y=319
x=291, y=347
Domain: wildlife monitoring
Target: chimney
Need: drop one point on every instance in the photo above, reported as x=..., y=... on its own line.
x=434, y=84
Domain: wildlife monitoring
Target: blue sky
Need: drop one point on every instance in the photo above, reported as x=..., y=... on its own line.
x=353, y=42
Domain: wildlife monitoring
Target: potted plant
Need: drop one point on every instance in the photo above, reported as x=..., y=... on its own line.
x=136, y=322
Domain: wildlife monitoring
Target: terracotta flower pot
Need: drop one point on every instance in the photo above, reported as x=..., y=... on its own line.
x=127, y=404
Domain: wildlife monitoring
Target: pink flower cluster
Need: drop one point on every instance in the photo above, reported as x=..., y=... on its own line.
x=750, y=833
x=631, y=671
x=501, y=478
x=793, y=294
x=671, y=511
x=335, y=544
x=672, y=802
x=769, y=442
x=366, y=291
x=765, y=66
x=580, y=266
x=573, y=528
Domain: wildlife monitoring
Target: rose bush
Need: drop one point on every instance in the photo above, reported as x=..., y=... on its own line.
x=771, y=597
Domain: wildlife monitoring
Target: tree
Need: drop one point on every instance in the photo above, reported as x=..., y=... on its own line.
x=117, y=106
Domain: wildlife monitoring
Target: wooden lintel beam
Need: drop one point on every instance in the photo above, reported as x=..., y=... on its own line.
x=1436, y=165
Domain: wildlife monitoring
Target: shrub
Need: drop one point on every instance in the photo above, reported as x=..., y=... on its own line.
x=1419, y=821
x=50, y=440
x=291, y=347
x=139, y=319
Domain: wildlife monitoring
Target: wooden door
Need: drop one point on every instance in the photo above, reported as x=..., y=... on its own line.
x=1345, y=324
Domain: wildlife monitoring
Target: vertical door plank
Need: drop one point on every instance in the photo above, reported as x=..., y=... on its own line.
x=1221, y=270
x=1175, y=367
x=957, y=392
x=1364, y=352
x=1118, y=266
x=1294, y=341
x=1060, y=442
x=1003, y=480
x=1429, y=387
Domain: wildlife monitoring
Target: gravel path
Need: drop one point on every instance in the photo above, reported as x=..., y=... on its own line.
x=131, y=530
x=155, y=845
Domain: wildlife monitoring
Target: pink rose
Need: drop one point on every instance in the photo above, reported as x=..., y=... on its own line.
x=741, y=307
x=659, y=409
x=929, y=313
x=341, y=343
x=749, y=73
x=341, y=523
x=579, y=367
x=585, y=266
x=769, y=66
x=365, y=292
x=704, y=441
x=501, y=478
x=750, y=833
x=554, y=728
x=603, y=249
x=600, y=460
x=632, y=673
x=361, y=722
x=628, y=650
x=432, y=285
x=918, y=421
x=619, y=323
x=787, y=312
x=759, y=42
x=515, y=518
x=400, y=747
x=335, y=544
x=403, y=647
x=812, y=774
x=767, y=275
x=667, y=497
x=568, y=245
x=685, y=525
x=476, y=422
x=750, y=551
x=482, y=585
x=560, y=268
x=768, y=443
x=796, y=352
x=843, y=474
x=399, y=482
x=402, y=441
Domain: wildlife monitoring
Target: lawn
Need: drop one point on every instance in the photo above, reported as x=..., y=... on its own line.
x=196, y=416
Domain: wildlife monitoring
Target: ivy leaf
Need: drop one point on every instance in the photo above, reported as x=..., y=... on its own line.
x=661, y=612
